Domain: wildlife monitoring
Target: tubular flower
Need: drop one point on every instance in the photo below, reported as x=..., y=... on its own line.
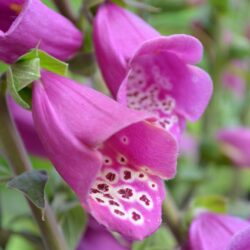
x=235, y=143
x=210, y=231
x=124, y=33
x=26, y=24
x=111, y=156
x=156, y=73
x=97, y=237
x=241, y=240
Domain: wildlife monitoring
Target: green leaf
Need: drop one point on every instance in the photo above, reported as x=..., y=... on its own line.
x=13, y=90
x=52, y=64
x=19, y=76
x=73, y=222
x=25, y=72
x=32, y=184
x=158, y=241
x=47, y=61
x=214, y=203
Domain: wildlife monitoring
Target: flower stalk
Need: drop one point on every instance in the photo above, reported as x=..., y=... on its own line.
x=171, y=215
x=13, y=149
x=65, y=9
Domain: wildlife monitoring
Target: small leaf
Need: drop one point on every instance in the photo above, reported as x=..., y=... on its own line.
x=52, y=64
x=32, y=184
x=26, y=72
x=47, y=61
x=13, y=90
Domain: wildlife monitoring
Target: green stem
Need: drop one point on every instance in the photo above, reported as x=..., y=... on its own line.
x=172, y=217
x=13, y=150
x=65, y=9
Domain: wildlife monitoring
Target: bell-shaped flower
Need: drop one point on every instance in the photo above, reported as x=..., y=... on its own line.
x=155, y=73
x=124, y=33
x=25, y=125
x=241, y=240
x=211, y=231
x=111, y=156
x=232, y=77
x=97, y=237
x=26, y=24
x=235, y=144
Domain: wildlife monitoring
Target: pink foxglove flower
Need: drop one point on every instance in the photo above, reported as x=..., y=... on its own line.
x=210, y=231
x=111, y=156
x=97, y=237
x=235, y=143
x=25, y=125
x=233, y=77
x=124, y=33
x=26, y=24
x=153, y=72
x=241, y=240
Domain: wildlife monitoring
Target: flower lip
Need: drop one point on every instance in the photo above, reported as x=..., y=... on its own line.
x=18, y=19
x=187, y=47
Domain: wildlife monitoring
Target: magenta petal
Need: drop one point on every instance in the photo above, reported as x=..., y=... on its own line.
x=26, y=24
x=24, y=122
x=117, y=35
x=236, y=144
x=164, y=79
x=95, y=116
x=187, y=48
x=100, y=148
x=75, y=162
x=210, y=231
x=125, y=197
x=200, y=89
x=241, y=240
x=158, y=157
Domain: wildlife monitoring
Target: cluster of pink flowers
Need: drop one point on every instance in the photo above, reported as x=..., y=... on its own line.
x=114, y=153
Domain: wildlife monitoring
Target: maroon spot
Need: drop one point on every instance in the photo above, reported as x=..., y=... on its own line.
x=126, y=193
x=107, y=161
x=108, y=196
x=94, y=191
x=114, y=203
x=135, y=216
x=104, y=187
x=127, y=175
x=110, y=176
x=99, y=200
x=153, y=185
x=141, y=175
x=122, y=159
x=124, y=139
x=145, y=199
x=119, y=212
x=162, y=124
x=143, y=98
